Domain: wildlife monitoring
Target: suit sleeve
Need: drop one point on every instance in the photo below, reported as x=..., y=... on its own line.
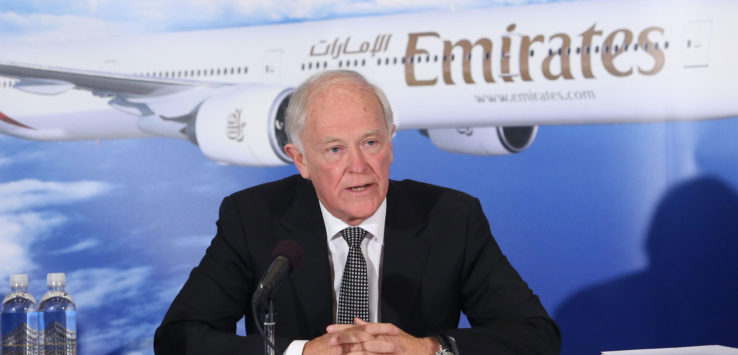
x=202, y=318
x=506, y=317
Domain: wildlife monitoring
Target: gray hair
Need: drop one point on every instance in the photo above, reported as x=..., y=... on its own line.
x=297, y=109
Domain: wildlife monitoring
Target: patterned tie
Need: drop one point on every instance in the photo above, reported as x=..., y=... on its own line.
x=353, y=299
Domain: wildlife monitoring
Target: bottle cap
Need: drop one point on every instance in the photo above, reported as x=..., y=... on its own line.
x=19, y=281
x=56, y=279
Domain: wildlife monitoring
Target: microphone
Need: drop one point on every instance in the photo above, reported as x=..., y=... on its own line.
x=287, y=256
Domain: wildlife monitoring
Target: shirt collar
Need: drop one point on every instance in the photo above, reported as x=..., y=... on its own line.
x=374, y=224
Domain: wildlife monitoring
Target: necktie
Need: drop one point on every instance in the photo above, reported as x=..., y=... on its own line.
x=353, y=298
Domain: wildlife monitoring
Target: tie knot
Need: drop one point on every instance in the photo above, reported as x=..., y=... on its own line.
x=353, y=236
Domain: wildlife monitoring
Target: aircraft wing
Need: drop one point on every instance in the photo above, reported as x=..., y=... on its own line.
x=134, y=94
x=50, y=80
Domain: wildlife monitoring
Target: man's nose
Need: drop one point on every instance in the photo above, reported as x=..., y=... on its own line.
x=357, y=161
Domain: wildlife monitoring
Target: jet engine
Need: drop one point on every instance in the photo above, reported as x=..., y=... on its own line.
x=483, y=140
x=243, y=125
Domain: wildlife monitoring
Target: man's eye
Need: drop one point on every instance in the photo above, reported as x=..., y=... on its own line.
x=372, y=142
x=334, y=149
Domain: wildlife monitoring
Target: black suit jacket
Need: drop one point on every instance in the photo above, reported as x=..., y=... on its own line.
x=439, y=259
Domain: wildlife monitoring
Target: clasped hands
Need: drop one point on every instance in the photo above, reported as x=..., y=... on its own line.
x=369, y=338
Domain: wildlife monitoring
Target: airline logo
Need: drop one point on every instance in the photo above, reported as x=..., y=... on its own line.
x=345, y=47
x=235, y=126
x=552, y=70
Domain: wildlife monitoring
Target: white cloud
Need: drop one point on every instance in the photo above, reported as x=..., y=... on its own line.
x=95, y=3
x=30, y=193
x=26, y=156
x=103, y=18
x=22, y=222
x=17, y=232
x=103, y=287
x=39, y=27
x=91, y=288
x=80, y=246
x=103, y=340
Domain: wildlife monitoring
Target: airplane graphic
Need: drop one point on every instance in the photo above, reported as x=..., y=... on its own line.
x=478, y=82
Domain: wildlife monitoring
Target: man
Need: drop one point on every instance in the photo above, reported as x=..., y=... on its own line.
x=423, y=253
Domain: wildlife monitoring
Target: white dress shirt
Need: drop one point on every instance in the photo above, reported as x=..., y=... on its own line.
x=371, y=248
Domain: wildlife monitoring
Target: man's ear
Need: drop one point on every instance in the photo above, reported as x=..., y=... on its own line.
x=298, y=158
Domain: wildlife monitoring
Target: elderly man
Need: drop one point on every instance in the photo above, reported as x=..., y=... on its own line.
x=389, y=265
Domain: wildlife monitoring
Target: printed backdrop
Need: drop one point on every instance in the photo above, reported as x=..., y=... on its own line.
x=629, y=233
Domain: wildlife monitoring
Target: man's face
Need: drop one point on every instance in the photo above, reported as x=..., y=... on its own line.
x=347, y=151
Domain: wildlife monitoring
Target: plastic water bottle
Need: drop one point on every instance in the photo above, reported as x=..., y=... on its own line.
x=19, y=319
x=57, y=319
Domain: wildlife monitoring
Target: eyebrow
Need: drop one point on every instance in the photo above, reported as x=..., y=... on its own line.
x=370, y=133
x=331, y=139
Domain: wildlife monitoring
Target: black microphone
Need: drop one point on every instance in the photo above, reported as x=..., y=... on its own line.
x=287, y=256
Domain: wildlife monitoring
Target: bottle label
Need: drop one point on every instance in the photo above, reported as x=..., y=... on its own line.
x=19, y=333
x=58, y=332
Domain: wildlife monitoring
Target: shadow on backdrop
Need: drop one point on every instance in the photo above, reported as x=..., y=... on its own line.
x=687, y=296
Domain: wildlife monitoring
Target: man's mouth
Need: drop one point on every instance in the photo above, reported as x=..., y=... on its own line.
x=359, y=188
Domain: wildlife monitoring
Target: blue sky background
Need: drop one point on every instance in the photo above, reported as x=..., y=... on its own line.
x=127, y=220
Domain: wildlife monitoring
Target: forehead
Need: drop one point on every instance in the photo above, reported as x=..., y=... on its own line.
x=344, y=104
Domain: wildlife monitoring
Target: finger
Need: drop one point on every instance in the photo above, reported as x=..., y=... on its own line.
x=381, y=347
x=373, y=328
x=373, y=347
x=350, y=337
x=381, y=328
x=334, y=328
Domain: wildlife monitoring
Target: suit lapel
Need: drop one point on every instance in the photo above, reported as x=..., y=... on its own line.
x=312, y=280
x=405, y=256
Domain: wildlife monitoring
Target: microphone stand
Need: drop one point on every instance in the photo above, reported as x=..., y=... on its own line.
x=269, y=325
x=266, y=331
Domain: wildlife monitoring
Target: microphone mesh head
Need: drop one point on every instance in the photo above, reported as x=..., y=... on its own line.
x=291, y=250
